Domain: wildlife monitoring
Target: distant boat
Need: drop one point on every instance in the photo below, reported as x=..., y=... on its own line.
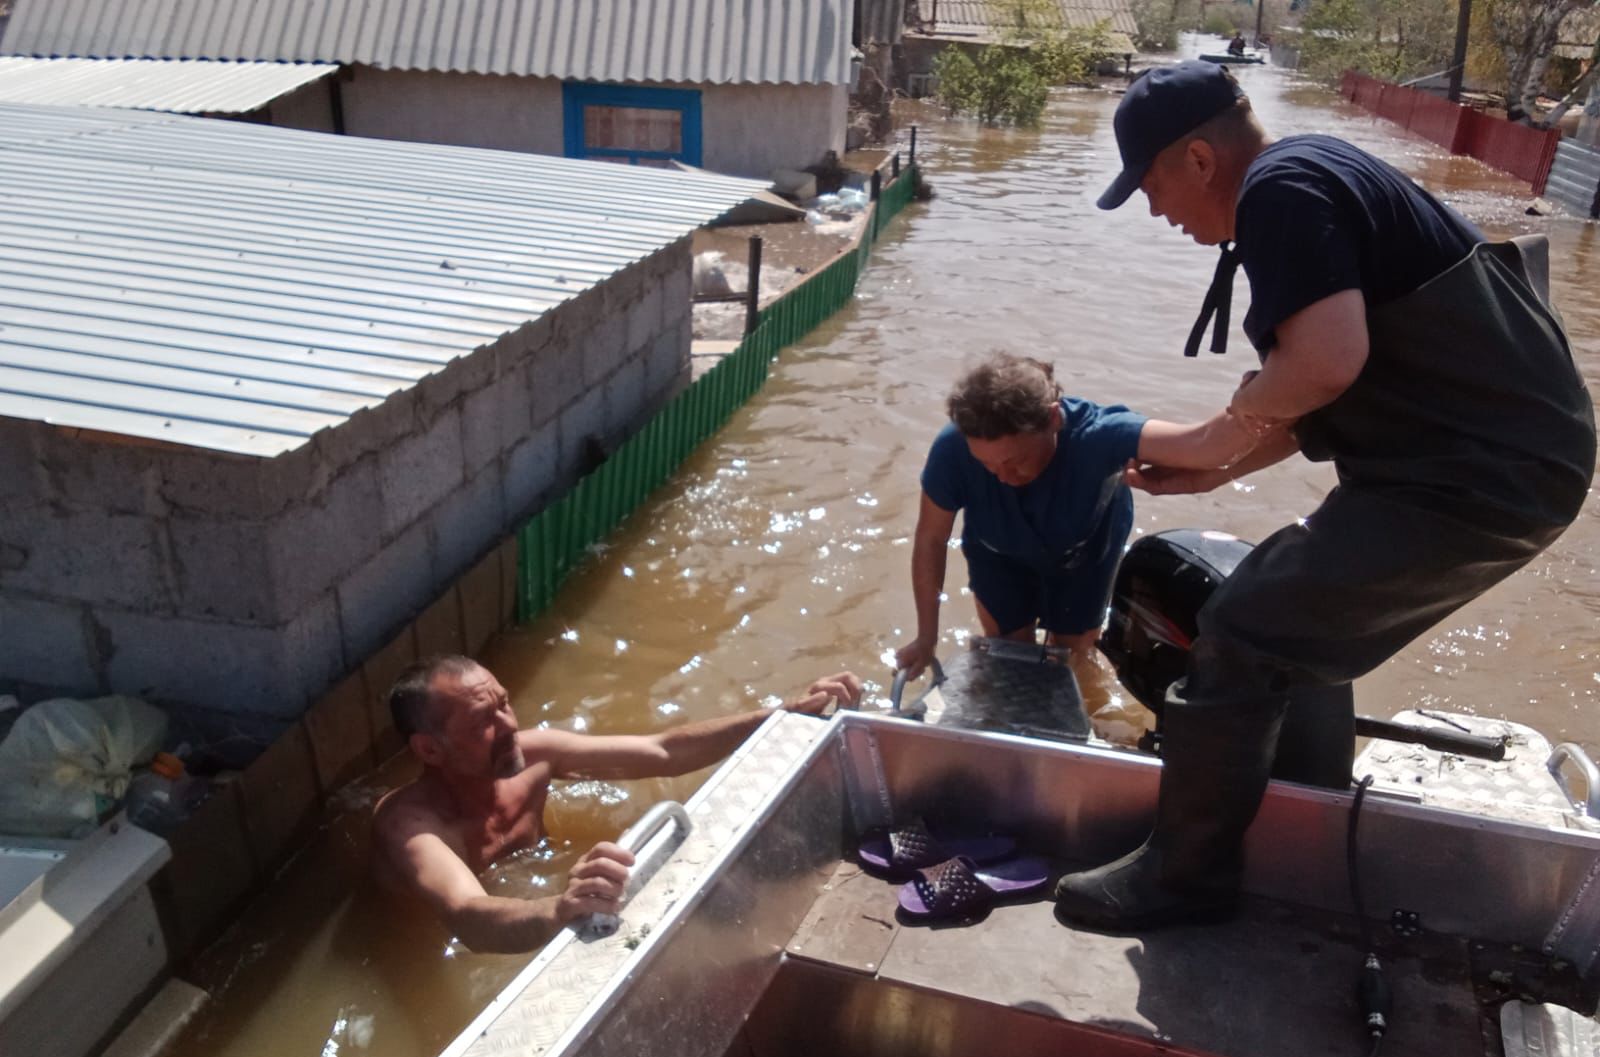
x=1236, y=60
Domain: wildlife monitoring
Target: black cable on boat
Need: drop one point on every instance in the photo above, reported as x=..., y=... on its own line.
x=1372, y=989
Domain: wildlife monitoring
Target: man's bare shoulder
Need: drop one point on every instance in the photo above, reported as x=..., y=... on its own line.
x=404, y=812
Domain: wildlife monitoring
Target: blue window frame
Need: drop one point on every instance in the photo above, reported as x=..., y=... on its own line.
x=592, y=112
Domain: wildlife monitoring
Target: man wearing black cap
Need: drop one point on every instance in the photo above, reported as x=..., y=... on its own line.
x=1425, y=362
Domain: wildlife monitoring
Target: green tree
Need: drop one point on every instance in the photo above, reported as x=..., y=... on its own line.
x=1396, y=40
x=1002, y=85
x=1527, y=32
x=1159, y=22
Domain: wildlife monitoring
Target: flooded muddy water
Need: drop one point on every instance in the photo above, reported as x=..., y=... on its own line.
x=781, y=551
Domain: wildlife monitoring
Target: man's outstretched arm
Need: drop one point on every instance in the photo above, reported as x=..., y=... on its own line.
x=678, y=750
x=431, y=870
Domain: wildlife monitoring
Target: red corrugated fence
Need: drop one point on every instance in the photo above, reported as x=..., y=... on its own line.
x=1526, y=153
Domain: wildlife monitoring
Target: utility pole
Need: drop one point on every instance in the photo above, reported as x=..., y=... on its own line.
x=1261, y=9
x=1459, y=64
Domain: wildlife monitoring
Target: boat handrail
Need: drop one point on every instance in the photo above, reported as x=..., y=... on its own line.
x=1568, y=752
x=636, y=838
x=897, y=689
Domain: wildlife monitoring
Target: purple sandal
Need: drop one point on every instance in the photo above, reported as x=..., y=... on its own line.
x=903, y=851
x=958, y=888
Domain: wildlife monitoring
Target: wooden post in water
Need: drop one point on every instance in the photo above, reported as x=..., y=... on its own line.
x=1458, y=62
x=894, y=169
x=752, y=296
x=913, y=144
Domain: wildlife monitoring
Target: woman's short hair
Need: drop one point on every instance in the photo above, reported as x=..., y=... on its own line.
x=1004, y=395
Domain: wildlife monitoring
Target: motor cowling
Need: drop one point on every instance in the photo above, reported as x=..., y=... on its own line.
x=1161, y=585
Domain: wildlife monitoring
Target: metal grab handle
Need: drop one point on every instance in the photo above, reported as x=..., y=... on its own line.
x=635, y=839
x=897, y=689
x=1566, y=753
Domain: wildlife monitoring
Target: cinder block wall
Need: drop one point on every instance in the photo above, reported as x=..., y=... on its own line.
x=248, y=586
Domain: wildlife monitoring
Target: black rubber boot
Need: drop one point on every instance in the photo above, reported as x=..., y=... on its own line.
x=1217, y=758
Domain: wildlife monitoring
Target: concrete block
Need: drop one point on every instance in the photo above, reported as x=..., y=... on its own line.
x=418, y=471
x=532, y=336
x=98, y=472
x=439, y=626
x=217, y=665
x=290, y=479
x=378, y=672
x=604, y=346
x=311, y=647
x=581, y=427
x=462, y=375
x=47, y=644
x=481, y=613
x=675, y=290
x=510, y=555
x=85, y=555
x=627, y=399
x=223, y=570
x=556, y=379
x=340, y=731
x=385, y=593
x=218, y=484
x=278, y=799
x=22, y=477
x=481, y=427
x=644, y=318
x=532, y=470
x=369, y=430
x=467, y=522
x=211, y=873
x=314, y=545
x=667, y=364
x=519, y=406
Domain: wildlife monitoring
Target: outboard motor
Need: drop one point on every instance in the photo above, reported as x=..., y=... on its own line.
x=1163, y=581
x=1161, y=585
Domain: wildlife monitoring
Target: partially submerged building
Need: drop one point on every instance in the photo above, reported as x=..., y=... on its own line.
x=974, y=24
x=734, y=86
x=264, y=394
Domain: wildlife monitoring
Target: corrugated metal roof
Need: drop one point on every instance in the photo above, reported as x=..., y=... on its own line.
x=184, y=86
x=239, y=287
x=990, y=19
x=696, y=41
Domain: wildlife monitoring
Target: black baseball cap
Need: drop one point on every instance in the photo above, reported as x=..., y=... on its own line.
x=1162, y=106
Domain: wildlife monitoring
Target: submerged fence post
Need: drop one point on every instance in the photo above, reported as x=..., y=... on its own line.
x=913, y=144
x=752, y=297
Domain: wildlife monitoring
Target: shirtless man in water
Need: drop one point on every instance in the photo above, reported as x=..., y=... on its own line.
x=483, y=789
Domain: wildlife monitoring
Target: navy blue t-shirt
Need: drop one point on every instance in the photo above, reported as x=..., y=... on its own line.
x=1063, y=519
x=1317, y=216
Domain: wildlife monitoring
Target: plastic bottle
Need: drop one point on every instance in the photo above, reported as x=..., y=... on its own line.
x=162, y=797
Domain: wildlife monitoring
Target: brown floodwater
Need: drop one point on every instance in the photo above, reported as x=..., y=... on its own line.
x=781, y=550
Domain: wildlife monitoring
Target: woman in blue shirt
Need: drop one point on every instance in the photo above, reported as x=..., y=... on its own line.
x=1040, y=476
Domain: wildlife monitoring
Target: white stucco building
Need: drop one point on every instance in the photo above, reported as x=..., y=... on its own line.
x=736, y=86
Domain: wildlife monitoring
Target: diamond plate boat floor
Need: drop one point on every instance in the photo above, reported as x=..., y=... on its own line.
x=1277, y=980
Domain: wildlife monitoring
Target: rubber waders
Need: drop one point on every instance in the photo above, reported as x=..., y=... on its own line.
x=1217, y=758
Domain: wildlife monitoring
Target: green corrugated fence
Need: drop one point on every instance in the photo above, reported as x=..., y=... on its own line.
x=552, y=543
